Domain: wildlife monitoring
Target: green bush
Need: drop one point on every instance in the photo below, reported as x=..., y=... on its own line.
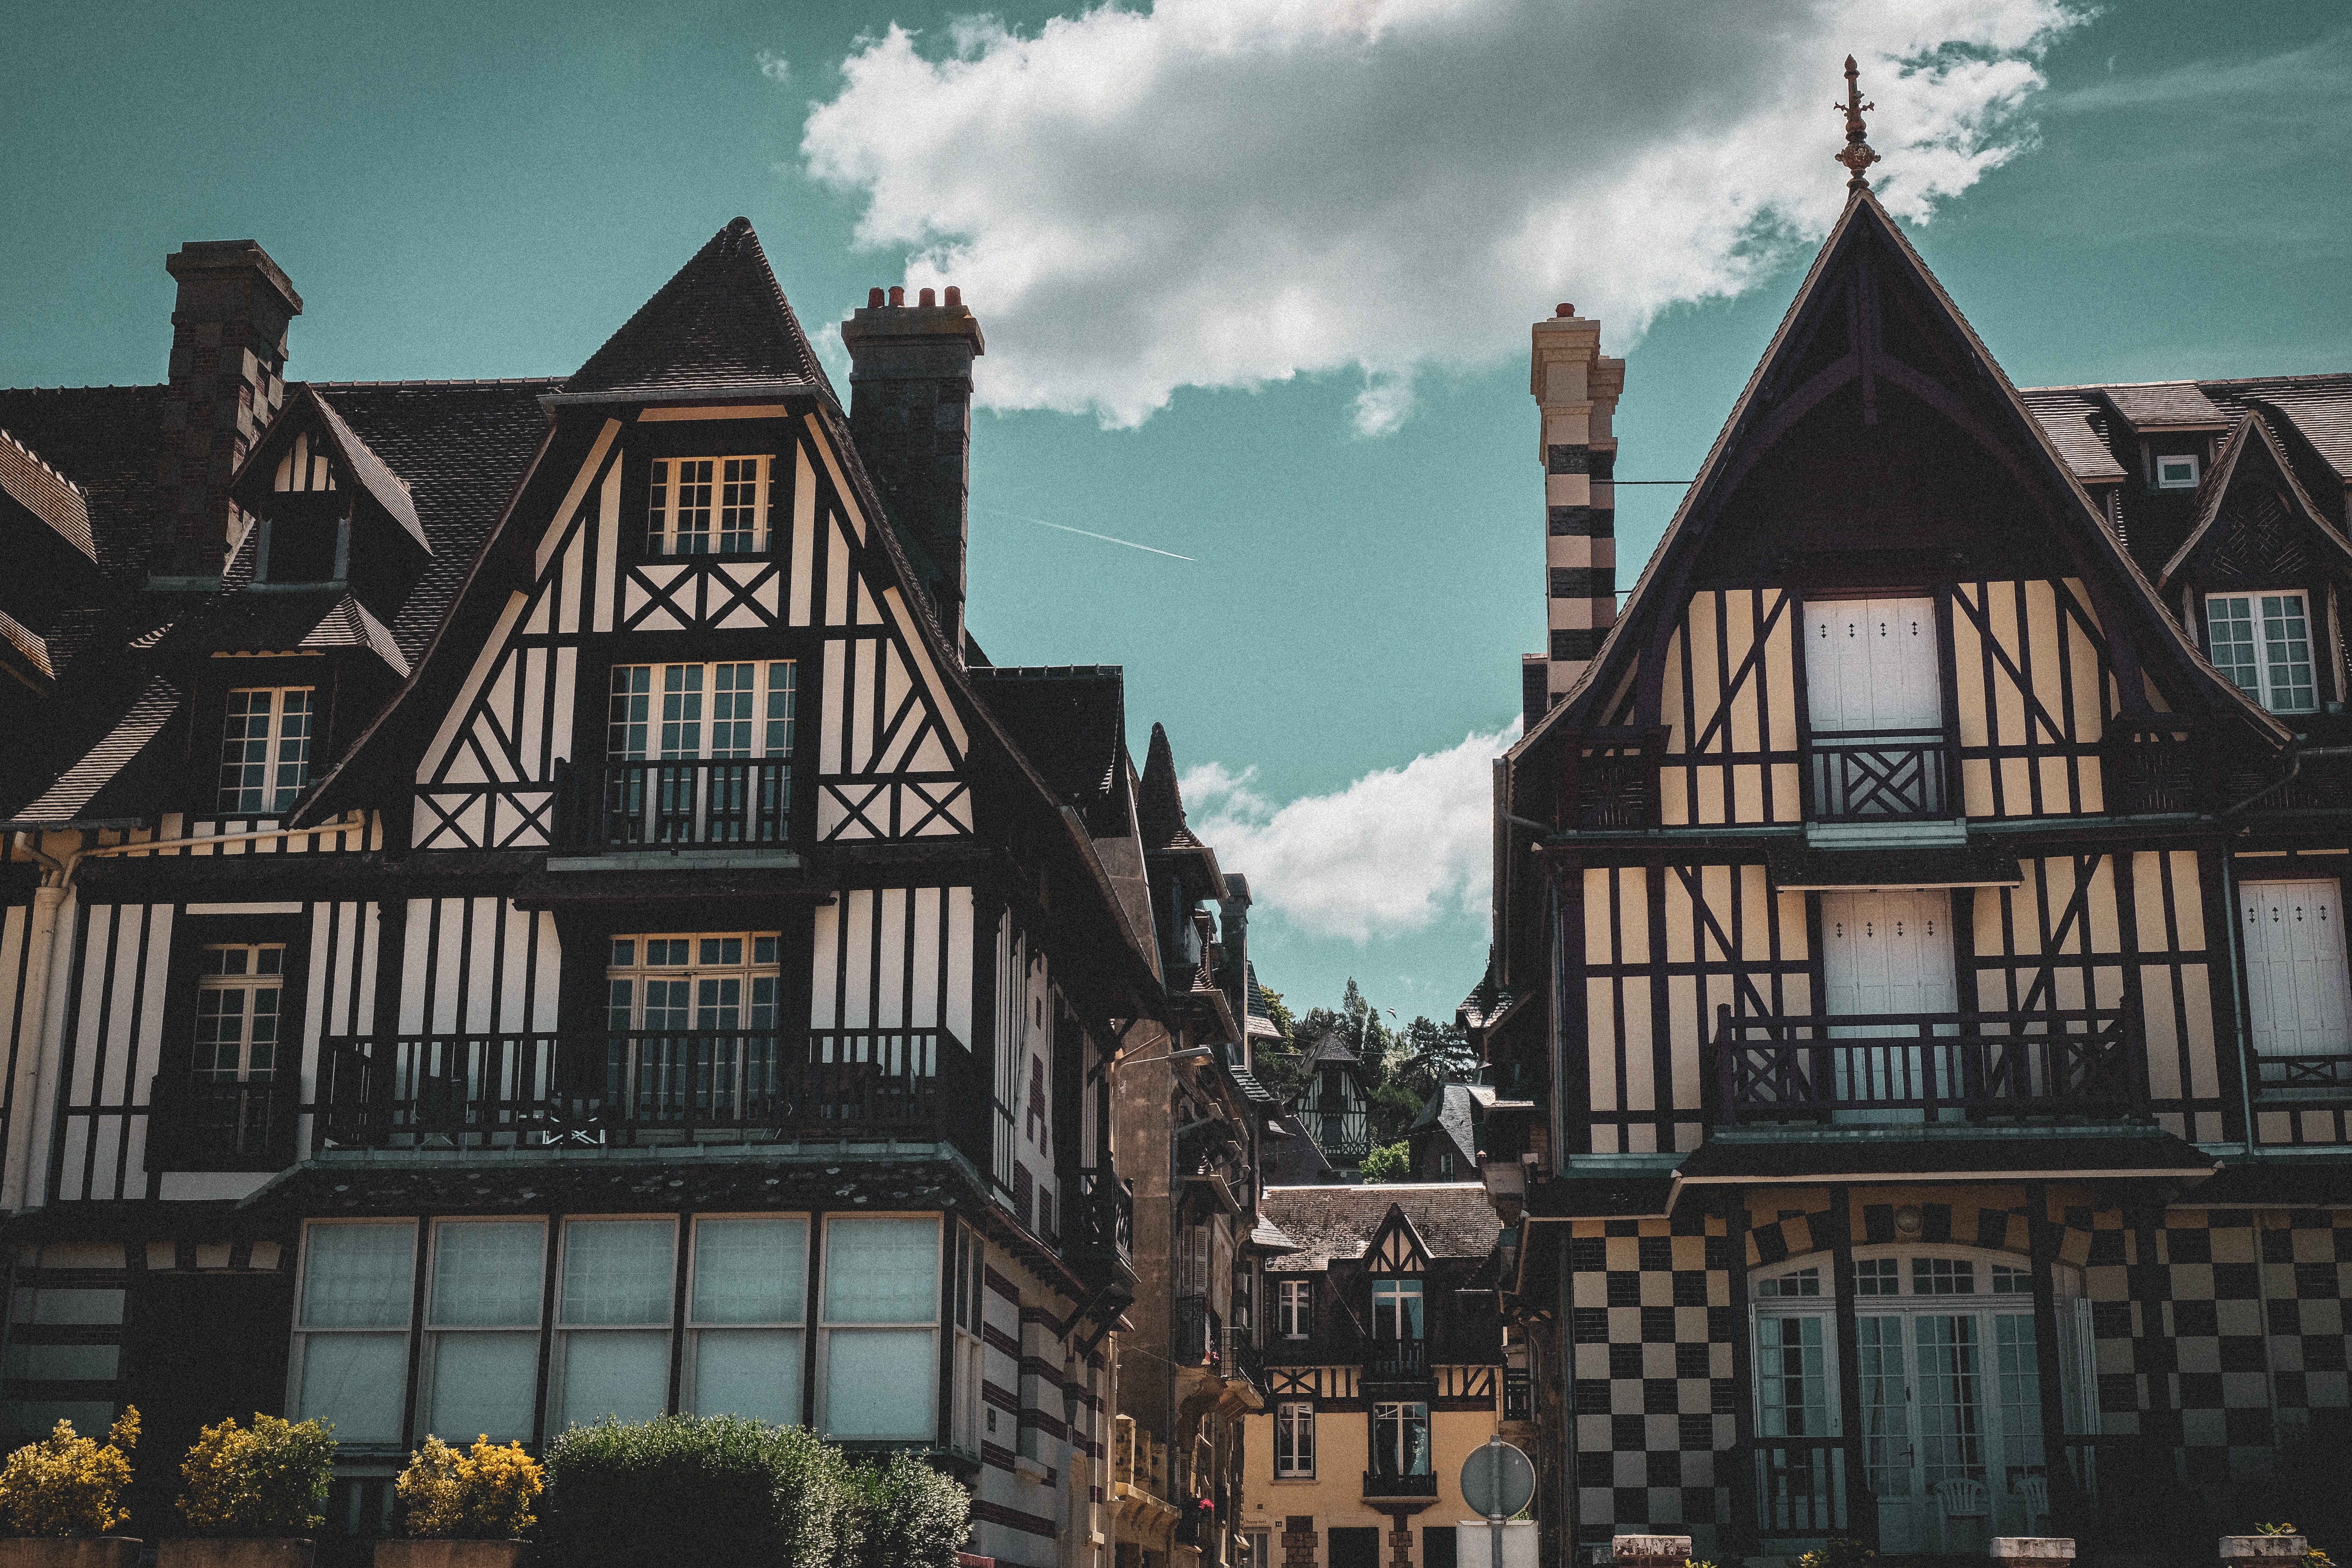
x=715, y=1491
x=906, y=1515
x=270, y=1479
x=1387, y=1163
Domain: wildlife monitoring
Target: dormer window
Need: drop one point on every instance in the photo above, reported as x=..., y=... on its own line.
x=2176, y=471
x=305, y=468
x=1396, y=1310
x=265, y=750
x=702, y=506
x=2263, y=643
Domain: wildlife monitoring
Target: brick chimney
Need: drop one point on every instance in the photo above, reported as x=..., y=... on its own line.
x=910, y=413
x=1577, y=390
x=228, y=379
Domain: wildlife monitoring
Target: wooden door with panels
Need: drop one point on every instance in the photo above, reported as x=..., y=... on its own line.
x=1875, y=710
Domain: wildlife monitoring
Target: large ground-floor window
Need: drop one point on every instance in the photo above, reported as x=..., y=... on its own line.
x=1949, y=1361
x=647, y=1313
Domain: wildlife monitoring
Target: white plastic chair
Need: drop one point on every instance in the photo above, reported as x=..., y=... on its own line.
x=1961, y=1496
x=2035, y=1492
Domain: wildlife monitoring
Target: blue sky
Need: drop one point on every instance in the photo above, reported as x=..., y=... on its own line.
x=1257, y=290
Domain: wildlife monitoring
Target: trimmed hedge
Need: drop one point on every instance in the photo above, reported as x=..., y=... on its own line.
x=724, y=1492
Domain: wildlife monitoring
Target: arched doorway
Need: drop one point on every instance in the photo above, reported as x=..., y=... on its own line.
x=1949, y=1394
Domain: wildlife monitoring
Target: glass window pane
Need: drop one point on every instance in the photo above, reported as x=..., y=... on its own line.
x=617, y=1271
x=879, y=1382
x=622, y=1375
x=751, y=1270
x=754, y=1372
x=482, y=1384
x=358, y=1276
x=487, y=1274
x=356, y=1381
x=882, y=1271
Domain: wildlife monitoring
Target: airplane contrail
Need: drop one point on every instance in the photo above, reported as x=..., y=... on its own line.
x=1088, y=532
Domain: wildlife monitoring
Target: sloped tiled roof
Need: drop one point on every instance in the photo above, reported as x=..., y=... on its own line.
x=381, y=483
x=2165, y=405
x=2253, y=452
x=1070, y=721
x=1160, y=805
x=721, y=326
x=2067, y=415
x=1260, y=1023
x=1454, y=1220
x=105, y=439
x=28, y=644
x=70, y=797
x=46, y=493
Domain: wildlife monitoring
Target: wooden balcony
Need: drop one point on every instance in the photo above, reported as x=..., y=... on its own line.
x=2084, y=1064
x=2303, y=1072
x=232, y=1126
x=1098, y=1229
x=1887, y=775
x=648, y=1089
x=682, y=805
x=1398, y=1361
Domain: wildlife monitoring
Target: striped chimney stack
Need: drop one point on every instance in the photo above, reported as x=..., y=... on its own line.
x=1577, y=389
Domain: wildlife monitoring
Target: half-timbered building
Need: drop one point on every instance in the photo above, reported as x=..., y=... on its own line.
x=1919, y=930
x=526, y=903
x=1384, y=1368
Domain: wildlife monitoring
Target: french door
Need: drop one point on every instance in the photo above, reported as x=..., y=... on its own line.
x=1885, y=953
x=1875, y=712
x=2296, y=983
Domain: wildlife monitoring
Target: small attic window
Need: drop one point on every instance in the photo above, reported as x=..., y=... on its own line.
x=2176, y=471
x=702, y=506
x=304, y=468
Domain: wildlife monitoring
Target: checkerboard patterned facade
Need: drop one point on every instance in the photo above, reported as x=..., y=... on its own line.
x=2216, y=1330
x=1649, y=1329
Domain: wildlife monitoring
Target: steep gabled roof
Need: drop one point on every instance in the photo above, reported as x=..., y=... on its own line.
x=2165, y=405
x=48, y=495
x=307, y=408
x=2016, y=438
x=1451, y=1220
x=1071, y=723
x=81, y=791
x=719, y=327
x=1160, y=805
x=2253, y=458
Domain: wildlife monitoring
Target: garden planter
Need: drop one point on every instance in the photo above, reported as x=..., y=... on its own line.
x=75, y=1552
x=448, y=1553
x=2263, y=1551
x=207, y=1552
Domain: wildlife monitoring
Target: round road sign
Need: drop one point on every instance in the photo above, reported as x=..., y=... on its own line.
x=1497, y=1481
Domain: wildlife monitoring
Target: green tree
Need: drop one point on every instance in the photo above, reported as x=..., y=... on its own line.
x=1387, y=1162
x=1430, y=1054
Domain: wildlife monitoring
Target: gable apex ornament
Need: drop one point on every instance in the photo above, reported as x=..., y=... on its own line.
x=1856, y=155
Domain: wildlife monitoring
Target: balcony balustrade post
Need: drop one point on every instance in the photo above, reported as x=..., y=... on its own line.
x=1727, y=1068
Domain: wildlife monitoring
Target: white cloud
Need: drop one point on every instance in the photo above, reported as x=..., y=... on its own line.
x=1226, y=193
x=1393, y=852
x=774, y=65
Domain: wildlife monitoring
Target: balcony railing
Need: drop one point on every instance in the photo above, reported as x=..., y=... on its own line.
x=645, y=1088
x=1098, y=1214
x=206, y=1126
x=687, y=803
x=2303, y=1072
x=1887, y=775
x=1242, y=1362
x=1193, y=1332
x=1393, y=1359
x=1378, y=1484
x=1945, y=1067
x=1800, y=1485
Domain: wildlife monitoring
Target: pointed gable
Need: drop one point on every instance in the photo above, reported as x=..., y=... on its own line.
x=1871, y=340
x=2255, y=520
x=310, y=430
x=1160, y=805
x=719, y=327
x=1396, y=1246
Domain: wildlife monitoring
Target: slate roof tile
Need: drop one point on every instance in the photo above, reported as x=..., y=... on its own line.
x=1328, y=1223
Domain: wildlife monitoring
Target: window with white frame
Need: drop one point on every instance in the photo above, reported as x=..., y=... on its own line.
x=1396, y=1309
x=611, y=1315
x=970, y=1408
x=744, y=1317
x=684, y=712
x=265, y=750
x=2263, y=643
x=238, y=989
x=1400, y=1438
x=482, y=1318
x=352, y=1328
x=1295, y=1309
x=1294, y=1439
x=2176, y=471
x=692, y=981
x=701, y=506
x=878, y=1335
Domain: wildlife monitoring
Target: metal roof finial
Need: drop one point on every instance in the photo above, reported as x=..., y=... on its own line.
x=1856, y=155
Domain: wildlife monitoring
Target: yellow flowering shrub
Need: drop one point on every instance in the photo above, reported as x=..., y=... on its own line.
x=484, y=1494
x=67, y=1485
x=267, y=1479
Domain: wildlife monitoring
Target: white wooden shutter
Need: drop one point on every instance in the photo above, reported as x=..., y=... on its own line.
x=2296, y=983
x=1870, y=665
x=1887, y=953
